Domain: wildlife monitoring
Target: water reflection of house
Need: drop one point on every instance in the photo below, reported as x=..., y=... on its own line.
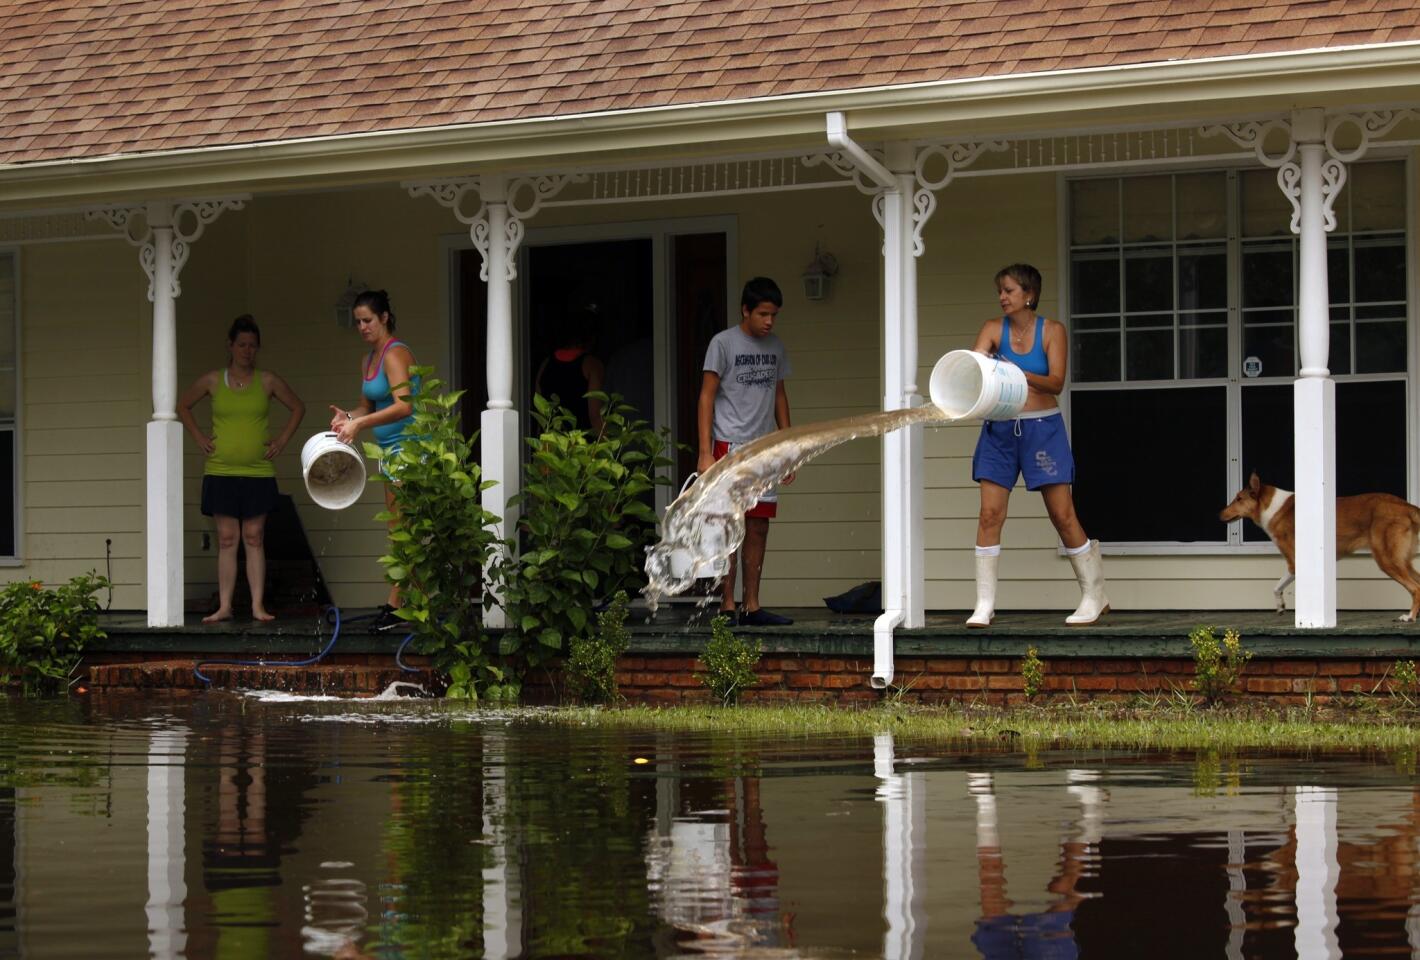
x=1113, y=149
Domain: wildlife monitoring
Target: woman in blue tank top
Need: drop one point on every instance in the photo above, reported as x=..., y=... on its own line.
x=1033, y=444
x=385, y=408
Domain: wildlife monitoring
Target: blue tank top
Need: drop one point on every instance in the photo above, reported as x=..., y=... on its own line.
x=1033, y=360
x=376, y=389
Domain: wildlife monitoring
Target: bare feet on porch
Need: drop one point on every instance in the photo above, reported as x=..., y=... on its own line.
x=261, y=616
x=222, y=613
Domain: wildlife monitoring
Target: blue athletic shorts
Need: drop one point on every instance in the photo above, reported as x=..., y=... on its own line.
x=1035, y=446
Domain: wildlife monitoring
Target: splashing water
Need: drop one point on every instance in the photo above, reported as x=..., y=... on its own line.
x=706, y=523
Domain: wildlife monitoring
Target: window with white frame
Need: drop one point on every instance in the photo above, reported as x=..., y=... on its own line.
x=9, y=403
x=1183, y=336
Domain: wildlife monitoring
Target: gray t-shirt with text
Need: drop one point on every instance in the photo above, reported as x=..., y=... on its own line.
x=750, y=369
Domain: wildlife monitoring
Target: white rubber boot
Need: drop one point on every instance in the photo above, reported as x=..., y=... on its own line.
x=985, y=610
x=1089, y=570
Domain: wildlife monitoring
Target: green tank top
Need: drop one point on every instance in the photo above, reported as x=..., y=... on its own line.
x=239, y=430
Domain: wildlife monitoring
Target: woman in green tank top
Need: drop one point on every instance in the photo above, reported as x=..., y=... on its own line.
x=239, y=480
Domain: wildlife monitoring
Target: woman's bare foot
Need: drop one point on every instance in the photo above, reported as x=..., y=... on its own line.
x=261, y=616
x=222, y=613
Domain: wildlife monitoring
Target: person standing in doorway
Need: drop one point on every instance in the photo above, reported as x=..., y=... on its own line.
x=571, y=371
x=239, y=479
x=742, y=397
x=386, y=407
x=1032, y=444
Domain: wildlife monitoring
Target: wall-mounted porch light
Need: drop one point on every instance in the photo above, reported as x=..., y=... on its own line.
x=818, y=273
x=345, y=303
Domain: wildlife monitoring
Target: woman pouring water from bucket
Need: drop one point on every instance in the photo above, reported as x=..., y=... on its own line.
x=385, y=405
x=1033, y=443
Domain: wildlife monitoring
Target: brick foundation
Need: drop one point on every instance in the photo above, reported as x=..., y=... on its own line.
x=673, y=679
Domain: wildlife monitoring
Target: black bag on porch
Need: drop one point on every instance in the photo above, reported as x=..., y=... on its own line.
x=864, y=598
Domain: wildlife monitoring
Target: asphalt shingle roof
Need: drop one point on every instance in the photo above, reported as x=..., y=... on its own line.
x=87, y=78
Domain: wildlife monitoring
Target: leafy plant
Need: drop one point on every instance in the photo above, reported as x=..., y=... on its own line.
x=591, y=661
x=729, y=662
x=1406, y=682
x=1217, y=664
x=584, y=523
x=442, y=541
x=43, y=632
x=1032, y=674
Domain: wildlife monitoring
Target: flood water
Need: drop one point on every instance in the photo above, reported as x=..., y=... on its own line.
x=230, y=827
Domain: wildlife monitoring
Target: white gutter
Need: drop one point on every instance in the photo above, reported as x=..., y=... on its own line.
x=988, y=105
x=893, y=251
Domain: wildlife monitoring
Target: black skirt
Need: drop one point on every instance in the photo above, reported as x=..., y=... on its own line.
x=240, y=497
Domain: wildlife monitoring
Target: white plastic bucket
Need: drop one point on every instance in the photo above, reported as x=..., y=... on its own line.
x=967, y=385
x=334, y=471
x=684, y=563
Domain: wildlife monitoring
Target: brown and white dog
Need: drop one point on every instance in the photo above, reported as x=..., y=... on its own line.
x=1385, y=523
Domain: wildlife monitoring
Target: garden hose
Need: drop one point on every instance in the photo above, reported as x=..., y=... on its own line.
x=333, y=614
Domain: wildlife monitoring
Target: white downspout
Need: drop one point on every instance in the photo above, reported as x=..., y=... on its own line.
x=894, y=572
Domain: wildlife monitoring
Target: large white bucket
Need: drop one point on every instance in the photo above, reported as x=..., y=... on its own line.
x=967, y=385
x=334, y=471
x=685, y=564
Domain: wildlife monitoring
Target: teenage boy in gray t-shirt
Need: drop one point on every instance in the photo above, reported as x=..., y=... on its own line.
x=742, y=398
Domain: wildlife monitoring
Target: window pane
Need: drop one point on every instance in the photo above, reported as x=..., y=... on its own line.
x=1273, y=347
x=1380, y=347
x=1265, y=211
x=1202, y=352
x=1107, y=471
x=1202, y=205
x=1097, y=323
x=1094, y=283
x=1266, y=441
x=1203, y=278
x=1377, y=192
x=1380, y=269
x=1148, y=280
x=1339, y=360
x=7, y=493
x=1267, y=275
x=1148, y=355
x=1094, y=357
x=1370, y=439
x=1094, y=211
x=1148, y=209
x=1338, y=272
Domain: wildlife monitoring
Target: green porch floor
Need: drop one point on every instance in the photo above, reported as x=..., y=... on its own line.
x=816, y=631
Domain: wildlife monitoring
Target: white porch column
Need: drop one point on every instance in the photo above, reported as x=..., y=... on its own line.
x=496, y=230
x=1314, y=394
x=498, y=423
x=907, y=537
x=157, y=229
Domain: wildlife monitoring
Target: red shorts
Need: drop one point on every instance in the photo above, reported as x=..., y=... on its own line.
x=764, y=509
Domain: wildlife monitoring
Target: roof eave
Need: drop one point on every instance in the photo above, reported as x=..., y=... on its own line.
x=1172, y=91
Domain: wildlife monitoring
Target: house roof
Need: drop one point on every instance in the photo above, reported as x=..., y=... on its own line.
x=96, y=78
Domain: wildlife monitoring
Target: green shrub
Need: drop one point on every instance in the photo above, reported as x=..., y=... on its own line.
x=43, y=632
x=442, y=542
x=583, y=524
x=1032, y=674
x=1218, y=664
x=591, y=661
x=729, y=662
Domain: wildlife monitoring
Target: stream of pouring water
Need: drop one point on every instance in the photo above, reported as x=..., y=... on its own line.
x=706, y=523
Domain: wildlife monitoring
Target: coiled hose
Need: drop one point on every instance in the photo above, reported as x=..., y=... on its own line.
x=333, y=612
